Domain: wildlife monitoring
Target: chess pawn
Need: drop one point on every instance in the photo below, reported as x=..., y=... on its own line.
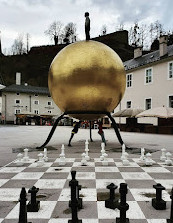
x=62, y=160
x=163, y=155
x=123, y=151
x=148, y=160
x=26, y=157
x=83, y=161
x=102, y=151
x=45, y=157
x=40, y=160
x=19, y=161
x=87, y=150
x=125, y=161
x=168, y=160
x=105, y=161
x=142, y=157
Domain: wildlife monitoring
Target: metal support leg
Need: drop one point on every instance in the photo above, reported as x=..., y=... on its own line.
x=90, y=133
x=52, y=131
x=115, y=128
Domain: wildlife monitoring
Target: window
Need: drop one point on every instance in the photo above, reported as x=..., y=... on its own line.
x=49, y=111
x=170, y=71
x=129, y=80
x=49, y=96
x=36, y=111
x=17, y=101
x=36, y=95
x=147, y=103
x=128, y=105
x=171, y=101
x=17, y=111
x=36, y=102
x=148, y=75
x=49, y=103
x=18, y=93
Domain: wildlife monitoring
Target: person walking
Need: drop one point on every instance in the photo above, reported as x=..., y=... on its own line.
x=100, y=132
x=74, y=131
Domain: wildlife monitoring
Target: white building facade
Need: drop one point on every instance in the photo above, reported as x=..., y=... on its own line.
x=26, y=99
x=149, y=81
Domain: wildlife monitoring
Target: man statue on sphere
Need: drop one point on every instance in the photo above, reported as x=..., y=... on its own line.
x=87, y=26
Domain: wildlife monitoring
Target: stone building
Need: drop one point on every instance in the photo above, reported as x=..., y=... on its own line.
x=25, y=103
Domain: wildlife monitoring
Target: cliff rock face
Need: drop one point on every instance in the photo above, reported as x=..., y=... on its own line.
x=34, y=66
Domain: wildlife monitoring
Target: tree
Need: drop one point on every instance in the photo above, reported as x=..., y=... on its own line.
x=70, y=33
x=104, y=30
x=54, y=31
x=18, y=46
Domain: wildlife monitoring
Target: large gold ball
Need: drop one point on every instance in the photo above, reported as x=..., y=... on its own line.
x=87, y=76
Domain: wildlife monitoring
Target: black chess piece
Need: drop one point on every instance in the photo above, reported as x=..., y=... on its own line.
x=74, y=201
x=111, y=203
x=33, y=205
x=23, y=208
x=123, y=206
x=158, y=203
x=80, y=204
x=171, y=215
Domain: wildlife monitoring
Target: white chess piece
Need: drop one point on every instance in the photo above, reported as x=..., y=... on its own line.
x=123, y=151
x=40, y=160
x=168, y=160
x=19, y=161
x=163, y=155
x=102, y=151
x=125, y=161
x=26, y=157
x=142, y=157
x=83, y=161
x=87, y=150
x=148, y=160
x=45, y=157
x=62, y=160
x=105, y=161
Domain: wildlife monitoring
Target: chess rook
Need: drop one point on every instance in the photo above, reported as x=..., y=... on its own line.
x=158, y=203
x=33, y=205
x=111, y=203
x=123, y=206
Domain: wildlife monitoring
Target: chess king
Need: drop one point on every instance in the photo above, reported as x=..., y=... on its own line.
x=87, y=76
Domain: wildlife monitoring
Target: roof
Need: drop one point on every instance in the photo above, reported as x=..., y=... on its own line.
x=26, y=89
x=147, y=59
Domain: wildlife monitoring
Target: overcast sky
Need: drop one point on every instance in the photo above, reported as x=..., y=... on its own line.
x=34, y=16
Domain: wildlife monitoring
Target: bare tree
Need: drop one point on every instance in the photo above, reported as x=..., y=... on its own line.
x=143, y=33
x=70, y=33
x=18, y=46
x=104, y=30
x=54, y=31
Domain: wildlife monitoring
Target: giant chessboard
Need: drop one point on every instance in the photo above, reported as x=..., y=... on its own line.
x=54, y=192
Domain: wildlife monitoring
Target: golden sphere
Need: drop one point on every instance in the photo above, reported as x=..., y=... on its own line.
x=87, y=76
